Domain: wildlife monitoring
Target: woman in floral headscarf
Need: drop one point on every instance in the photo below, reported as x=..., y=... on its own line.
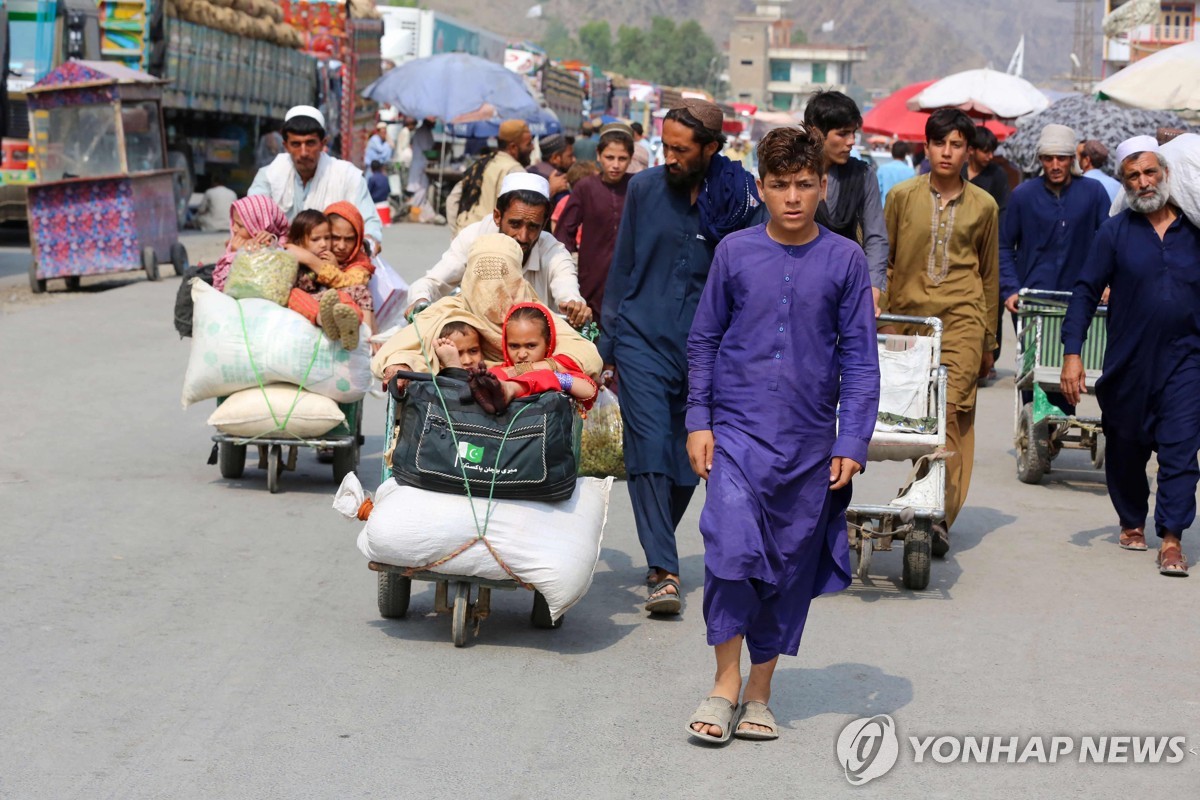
x=252, y=220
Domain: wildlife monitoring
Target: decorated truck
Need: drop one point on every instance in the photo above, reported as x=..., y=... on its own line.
x=234, y=66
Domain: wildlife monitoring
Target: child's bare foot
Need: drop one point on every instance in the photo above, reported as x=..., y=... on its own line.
x=447, y=353
x=488, y=391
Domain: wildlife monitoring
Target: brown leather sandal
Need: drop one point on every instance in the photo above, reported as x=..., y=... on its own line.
x=1172, y=562
x=1133, y=539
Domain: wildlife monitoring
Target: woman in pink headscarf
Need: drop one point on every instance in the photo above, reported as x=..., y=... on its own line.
x=252, y=220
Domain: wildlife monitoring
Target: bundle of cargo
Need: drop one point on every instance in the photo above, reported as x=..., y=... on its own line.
x=252, y=19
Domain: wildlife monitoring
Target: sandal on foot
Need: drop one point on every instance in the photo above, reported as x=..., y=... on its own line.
x=713, y=711
x=347, y=323
x=487, y=391
x=1132, y=539
x=1172, y=562
x=325, y=319
x=756, y=713
x=666, y=602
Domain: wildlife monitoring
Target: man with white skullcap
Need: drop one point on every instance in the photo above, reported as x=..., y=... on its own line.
x=306, y=177
x=1149, y=256
x=521, y=211
x=1048, y=227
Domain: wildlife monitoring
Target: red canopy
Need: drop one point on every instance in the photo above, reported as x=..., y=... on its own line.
x=891, y=117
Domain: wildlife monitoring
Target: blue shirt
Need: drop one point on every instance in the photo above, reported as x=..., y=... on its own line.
x=378, y=186
x=892, y=173
x=1111, y=185
x=1045, y=237
x=1153, y=316
x=377, y=150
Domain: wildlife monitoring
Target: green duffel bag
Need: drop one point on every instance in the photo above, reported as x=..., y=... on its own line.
x=445, y=442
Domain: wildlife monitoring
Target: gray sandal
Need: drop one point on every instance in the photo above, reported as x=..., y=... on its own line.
x=714, y=711
x=666, y=602
x=756, y=713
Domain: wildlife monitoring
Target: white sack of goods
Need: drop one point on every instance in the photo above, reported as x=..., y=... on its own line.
x=552, y=546
x=231, y=338
x=280, y=408
x=1182, y=155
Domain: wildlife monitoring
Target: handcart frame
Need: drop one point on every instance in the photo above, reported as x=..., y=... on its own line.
x=345, y=441
x=453, y=593
x=922, y=503
x=1040, y=430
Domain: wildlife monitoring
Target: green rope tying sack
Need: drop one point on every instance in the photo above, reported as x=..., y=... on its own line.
x=280, y=427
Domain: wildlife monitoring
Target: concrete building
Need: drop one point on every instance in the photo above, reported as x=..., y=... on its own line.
x=767, y=70
x=1174, y=24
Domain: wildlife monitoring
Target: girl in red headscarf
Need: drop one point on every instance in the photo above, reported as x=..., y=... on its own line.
x=530, y=364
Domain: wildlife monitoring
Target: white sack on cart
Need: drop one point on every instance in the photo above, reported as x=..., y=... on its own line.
x=282, y=343
x=553, y=546
x=904, y=370
x=1182, y=155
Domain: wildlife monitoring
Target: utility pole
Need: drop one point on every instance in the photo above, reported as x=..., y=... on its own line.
x=1083, y=50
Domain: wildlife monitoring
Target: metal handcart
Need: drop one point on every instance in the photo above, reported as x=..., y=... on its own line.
x=453, y=592
x=1042, y=429
x=911, y=426
x=343, y=443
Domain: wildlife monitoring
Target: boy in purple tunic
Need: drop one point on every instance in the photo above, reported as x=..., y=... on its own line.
x=784, y=389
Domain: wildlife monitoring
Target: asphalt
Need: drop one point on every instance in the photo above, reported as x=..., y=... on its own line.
x=170, y=634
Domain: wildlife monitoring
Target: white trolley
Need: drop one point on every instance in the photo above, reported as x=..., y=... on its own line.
x=911, y=427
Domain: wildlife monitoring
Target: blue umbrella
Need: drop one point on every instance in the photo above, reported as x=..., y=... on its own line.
x=545, y=124
x=451, y=85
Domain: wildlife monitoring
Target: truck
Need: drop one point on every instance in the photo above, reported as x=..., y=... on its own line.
x=410, y=33
x=233, y=72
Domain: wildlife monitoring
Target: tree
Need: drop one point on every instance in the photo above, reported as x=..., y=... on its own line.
x=628, y=51
x=799, y=37
x=558, y=42
x=595, y=38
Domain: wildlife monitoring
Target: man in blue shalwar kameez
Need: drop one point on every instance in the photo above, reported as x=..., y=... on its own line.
x=783, y=370
x=1149, y=256
x=674, y=217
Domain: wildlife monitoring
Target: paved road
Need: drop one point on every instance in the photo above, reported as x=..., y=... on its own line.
x=170, y=634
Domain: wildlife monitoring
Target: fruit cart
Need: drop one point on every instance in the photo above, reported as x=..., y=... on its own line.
x=104, y=200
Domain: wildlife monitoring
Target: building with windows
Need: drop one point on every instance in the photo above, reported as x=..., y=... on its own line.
x=768, y=70
x=1174, y=24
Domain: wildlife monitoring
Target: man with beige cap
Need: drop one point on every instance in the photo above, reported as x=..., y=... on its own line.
x=1048, y=227
x=481, y=184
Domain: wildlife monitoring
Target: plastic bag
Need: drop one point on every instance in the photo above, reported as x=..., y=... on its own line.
x=266, y=272
x=602, y=450
x=390, y=293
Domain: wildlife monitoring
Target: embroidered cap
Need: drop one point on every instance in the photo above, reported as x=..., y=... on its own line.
x=1135, y=145
x=305, y=111
x=526, y=181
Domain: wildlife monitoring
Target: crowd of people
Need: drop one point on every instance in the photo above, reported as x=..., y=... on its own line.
x=738, y=315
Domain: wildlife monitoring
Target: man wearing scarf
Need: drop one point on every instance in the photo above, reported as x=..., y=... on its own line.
x=674, y=217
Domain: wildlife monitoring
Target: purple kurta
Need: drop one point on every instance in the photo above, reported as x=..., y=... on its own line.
x=782, y=336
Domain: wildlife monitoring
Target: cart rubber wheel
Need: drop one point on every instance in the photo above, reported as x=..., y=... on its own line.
x=462, y=609
x=231, y=458
x=866, y=547
x=179, y=259
x=393, y=594
x=274, y=467
x=1098, y=451
x=36, y=285
x=1033, y=447
x=540, y=616
x=73, y=283
x=150, y=263
x=916, y=556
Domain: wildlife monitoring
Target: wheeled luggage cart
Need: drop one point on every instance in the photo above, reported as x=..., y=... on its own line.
x=343, y=443
x=1042, y=429
x=911, y=426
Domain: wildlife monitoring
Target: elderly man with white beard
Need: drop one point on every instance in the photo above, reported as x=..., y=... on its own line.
x=1149, y=256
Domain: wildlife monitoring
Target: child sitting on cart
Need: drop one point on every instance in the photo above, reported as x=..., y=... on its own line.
x=255, y=220
x=323, y=289
x=530, y=364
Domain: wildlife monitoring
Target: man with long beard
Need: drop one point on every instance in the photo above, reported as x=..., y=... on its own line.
x=674, y=217
x=1149, y=254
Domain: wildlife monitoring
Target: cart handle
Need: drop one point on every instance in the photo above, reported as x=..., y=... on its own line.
x=932, y=322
